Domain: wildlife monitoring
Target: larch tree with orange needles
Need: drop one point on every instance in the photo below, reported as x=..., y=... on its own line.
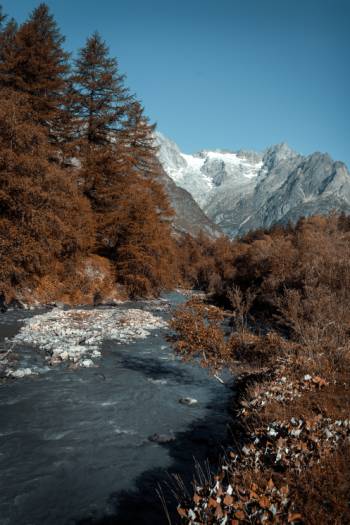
x=33, y=62
x=120, y=171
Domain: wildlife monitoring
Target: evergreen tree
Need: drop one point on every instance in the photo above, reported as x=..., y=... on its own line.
x=145, y=250
x=140, y=140
x=36, y=64
x=101, y=97
x=45, y=221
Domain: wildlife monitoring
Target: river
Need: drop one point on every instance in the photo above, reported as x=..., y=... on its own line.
x=75, y=445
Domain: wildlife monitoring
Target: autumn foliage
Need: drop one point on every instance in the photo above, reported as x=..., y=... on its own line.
x=84, y=217
x=283, y=295
x=78, y=173
x=40, y=228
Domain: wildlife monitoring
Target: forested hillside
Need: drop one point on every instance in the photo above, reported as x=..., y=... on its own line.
x=82, y=207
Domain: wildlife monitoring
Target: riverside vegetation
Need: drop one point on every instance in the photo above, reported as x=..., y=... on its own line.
x=286, y=293
x=85, y=219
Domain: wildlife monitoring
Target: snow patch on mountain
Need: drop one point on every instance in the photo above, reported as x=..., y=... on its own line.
x=202, y=173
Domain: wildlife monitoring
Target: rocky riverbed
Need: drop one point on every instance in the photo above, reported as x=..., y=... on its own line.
x=90, y=444
x=75, y=336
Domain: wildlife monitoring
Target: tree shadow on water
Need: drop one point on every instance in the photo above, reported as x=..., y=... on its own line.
x=203, y=441
x=156, y=369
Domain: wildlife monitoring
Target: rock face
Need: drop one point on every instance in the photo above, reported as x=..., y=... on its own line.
x=245, y=190
x=189, y=217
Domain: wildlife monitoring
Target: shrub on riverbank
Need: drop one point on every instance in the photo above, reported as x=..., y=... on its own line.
x=287, y=299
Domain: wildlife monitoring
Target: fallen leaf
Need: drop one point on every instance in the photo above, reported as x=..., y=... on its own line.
x=319, y=381
x=212, y=503
x=196, y=499
x=264, y=502
x=228, y=500
x=270, y=484
x=295, y=516
x=182, y=512
x=218, y=512
x=219, y=491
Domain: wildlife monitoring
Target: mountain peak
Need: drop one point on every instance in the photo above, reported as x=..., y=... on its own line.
x=277, y=153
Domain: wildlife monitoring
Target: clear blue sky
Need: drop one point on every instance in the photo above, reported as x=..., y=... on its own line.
x=227, y=73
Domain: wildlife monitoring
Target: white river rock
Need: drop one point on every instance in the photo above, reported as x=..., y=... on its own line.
x=76, y=335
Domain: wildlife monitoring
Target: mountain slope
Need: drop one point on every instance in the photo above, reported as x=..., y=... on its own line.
x=189, y=218
x=244, y=190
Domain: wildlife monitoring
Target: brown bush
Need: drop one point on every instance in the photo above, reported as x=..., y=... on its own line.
x=199, y=333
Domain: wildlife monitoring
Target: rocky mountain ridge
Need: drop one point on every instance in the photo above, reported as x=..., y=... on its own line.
x=245, y=190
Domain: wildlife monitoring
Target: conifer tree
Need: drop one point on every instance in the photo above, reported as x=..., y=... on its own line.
x=145, y=250
x=101, y=97
x=120, y=171
x=8, y=29
x=44, y=221
x=36, y=64
x=139, y=136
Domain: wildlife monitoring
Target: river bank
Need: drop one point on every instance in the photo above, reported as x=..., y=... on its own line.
x=272, y=457
x=290, y=446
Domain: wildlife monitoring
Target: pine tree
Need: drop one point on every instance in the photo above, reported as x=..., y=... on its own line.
x=138, y=133
x=144, y=249
x=101, y=97
x=120, y=171
x=36, y=64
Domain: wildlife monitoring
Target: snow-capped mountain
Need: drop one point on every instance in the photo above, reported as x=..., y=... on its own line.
x=244, y=190
x=202, y=173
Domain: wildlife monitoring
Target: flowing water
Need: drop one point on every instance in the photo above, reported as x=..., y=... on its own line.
x=74, y=444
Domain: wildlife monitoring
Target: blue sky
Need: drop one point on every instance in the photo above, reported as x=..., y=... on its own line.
x=227, y=73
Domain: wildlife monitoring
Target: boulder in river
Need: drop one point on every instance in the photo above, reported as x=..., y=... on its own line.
x=19, y=373
x=87, y=363
x=162, y=438
x=188, y=401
